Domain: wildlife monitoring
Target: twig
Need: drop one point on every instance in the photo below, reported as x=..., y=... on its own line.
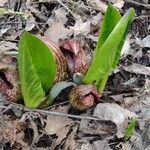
x=2, y=39
x=12, y=53
x=62, y=4
x=51, y=112
x=17, y=22
x=6, y=108
x=139, y=4
x=3, y=107
x=65, y=115
x=141, y=17
x=55, y=105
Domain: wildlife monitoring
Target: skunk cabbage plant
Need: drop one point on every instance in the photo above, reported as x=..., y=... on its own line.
x=110, y=42
x=42, y=63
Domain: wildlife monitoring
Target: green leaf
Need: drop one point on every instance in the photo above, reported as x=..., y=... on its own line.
x=130, y=129
x=110, y=20
x=37, y=69
x=118, y=53
x=58, y=87
x=107, y=51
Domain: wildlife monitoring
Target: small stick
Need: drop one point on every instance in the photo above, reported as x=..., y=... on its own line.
x=51, y=112
x=141, y=17
x=65, y=115
x=59, y=1
x=139, y=4
x=2, y=39
x=17, y=22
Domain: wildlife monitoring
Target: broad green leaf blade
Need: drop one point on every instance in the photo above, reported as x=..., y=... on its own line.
x=42, y=59
x=110, y=20
x=37, y=69
x=31, y=87
x=130, y=129
x=118, y=53
x=103, y=60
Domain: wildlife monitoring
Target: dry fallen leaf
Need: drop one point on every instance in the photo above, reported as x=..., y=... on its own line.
x=70, y=143
x=112, y=112
x=115, y=113
x=137, y=142
x=97, y=4
x=119, y=3
x=148, y=147
x=86, y=146
x=84, y=28
x=2, y=2
x=57, y=30
x=12, y=131
x=138, y=69
x=30, y=23
x=102, y=145
x=49, y=1
x=6, y=46
x=62, y=134
x=126, y=47
x=55, y=123
x=81, y=27
x=146, y=41
x=126, y=146
x=102, y=128
x=4, y=30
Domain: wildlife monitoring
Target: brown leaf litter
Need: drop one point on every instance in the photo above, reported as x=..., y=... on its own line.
x=12, y=130
x=127, y=92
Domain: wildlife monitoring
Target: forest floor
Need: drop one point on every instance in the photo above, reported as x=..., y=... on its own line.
x=126, y=96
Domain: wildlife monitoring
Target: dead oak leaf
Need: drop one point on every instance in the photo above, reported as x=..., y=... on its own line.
x=137, y=68
x=6, y=46
x=84, y=28
x=146, y=41
x=12, y=130
x=55, y=123
x=2, y=2
x=60, y=126
x=57, y=30
x=70, y=143
x=116, y=114
x=97, y=4
x=61, y=135
x=102, y=144
x=119, y=3
x=30, y=22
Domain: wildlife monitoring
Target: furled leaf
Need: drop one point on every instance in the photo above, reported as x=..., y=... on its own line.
x=58, y=87
x=106, y=52
x=118, y=53
x=110, y=20
x=130, y=129
x=37, y=69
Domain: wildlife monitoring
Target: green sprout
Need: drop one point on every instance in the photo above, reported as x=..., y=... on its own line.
x=130, y=129
x=37, y=66
x=111, y=39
